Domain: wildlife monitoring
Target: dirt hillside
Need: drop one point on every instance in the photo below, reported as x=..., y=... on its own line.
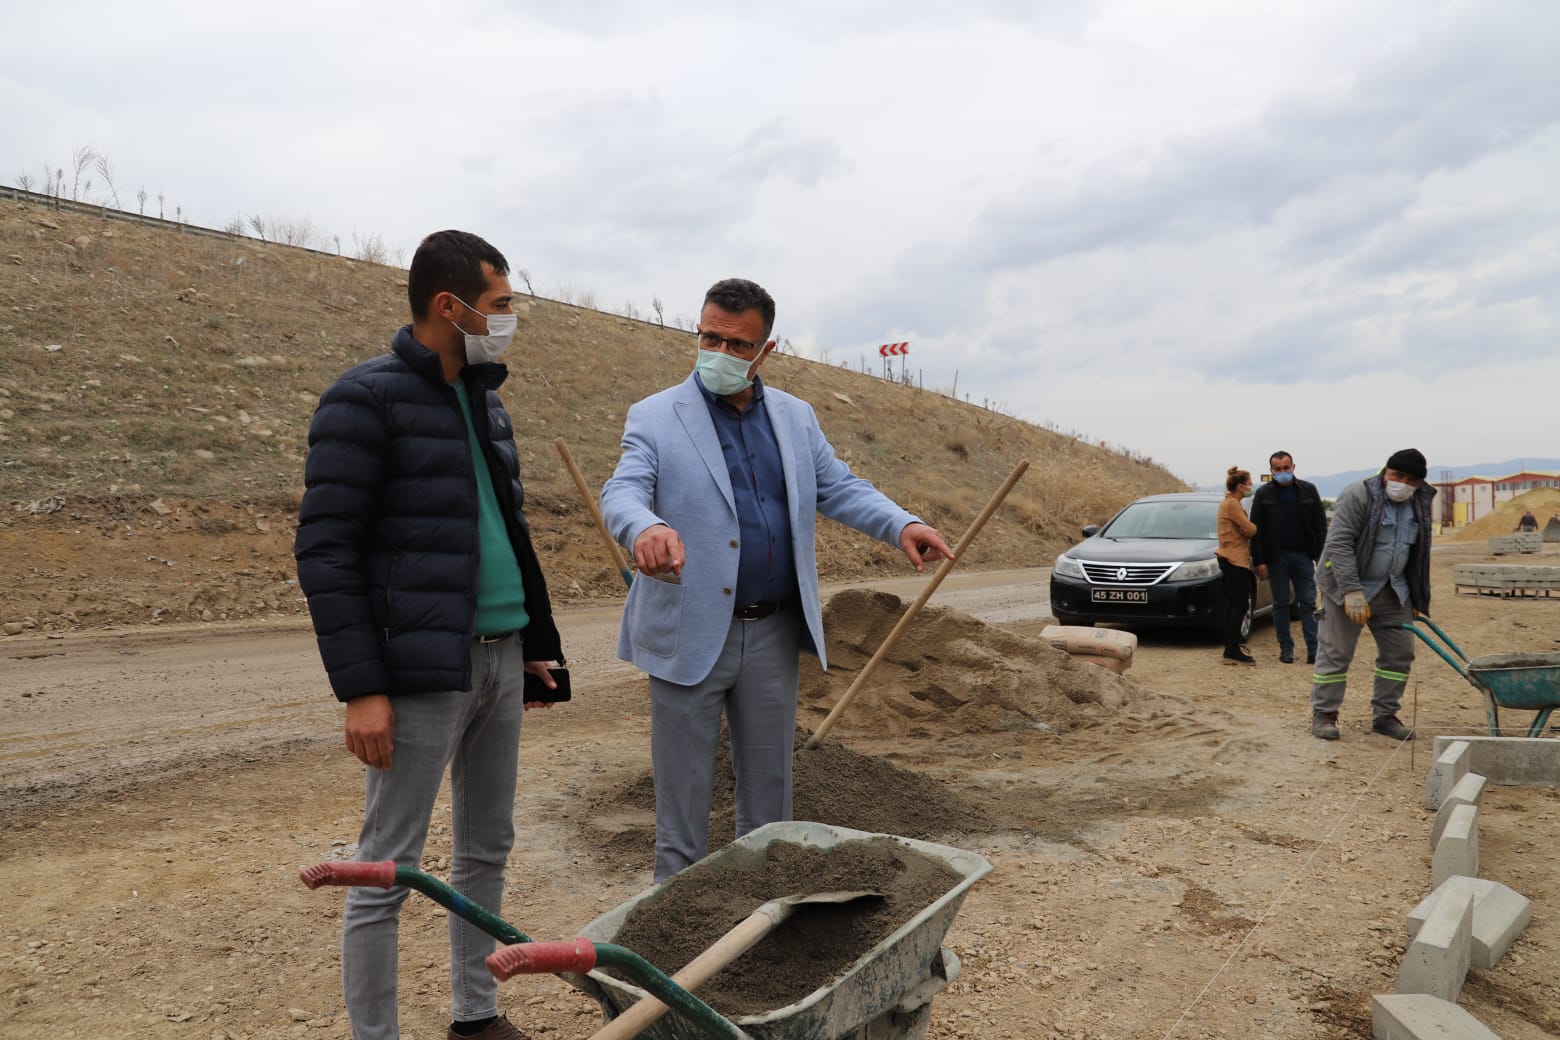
x=156, y=390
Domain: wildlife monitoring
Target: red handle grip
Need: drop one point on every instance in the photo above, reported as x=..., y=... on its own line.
x=370, y=875
x=577, y=955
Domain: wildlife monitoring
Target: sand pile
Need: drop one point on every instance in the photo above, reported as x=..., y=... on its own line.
x=1544, y=502
x=950, y=674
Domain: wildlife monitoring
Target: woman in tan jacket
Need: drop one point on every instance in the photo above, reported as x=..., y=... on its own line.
x=1234, y=552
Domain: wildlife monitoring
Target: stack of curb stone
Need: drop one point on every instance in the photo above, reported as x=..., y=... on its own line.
x=1506, y=579
x=1466, y=921
x=1526, y=542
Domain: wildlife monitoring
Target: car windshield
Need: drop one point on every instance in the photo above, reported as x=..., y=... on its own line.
x=1165, y=520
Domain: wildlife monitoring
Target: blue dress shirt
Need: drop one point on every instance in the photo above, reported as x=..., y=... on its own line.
x=766, y=568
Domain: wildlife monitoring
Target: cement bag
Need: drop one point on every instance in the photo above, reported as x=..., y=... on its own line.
x=1102, y=642
x=1115, y=664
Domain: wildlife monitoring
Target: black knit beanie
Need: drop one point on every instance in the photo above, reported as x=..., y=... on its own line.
x=1408, y=461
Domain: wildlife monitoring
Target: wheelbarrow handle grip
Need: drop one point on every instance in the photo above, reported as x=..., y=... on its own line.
x=370, y=875
x=537, y=958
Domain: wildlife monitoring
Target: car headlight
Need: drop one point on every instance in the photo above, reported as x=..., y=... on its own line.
x=1195, y=570
x=1067, y=567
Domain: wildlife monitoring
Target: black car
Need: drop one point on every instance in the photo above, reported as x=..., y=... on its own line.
x=1152, y=564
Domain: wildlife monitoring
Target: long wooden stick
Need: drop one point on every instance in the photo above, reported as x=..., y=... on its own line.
x=915, y=608
x=1413, y=724
x=619, y=557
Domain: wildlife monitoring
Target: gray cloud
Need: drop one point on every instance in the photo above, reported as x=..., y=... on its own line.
x=1334, y=219
x=1467, y=88
x=778, y=149
x=807, y=19
x=1441, y=240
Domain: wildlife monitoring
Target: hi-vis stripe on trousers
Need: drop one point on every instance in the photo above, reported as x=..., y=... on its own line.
x=1336, y=639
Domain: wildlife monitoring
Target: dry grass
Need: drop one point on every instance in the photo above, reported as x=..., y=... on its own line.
x=189, y=367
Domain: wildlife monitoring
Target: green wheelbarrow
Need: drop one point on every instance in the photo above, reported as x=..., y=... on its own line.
x=552, y=956
x=1526, y=682
x=885, y=995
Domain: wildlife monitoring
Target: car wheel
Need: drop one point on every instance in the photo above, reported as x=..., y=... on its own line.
x=1068, y=619
x=1248, y=622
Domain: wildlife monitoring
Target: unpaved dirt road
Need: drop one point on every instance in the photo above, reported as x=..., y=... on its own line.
x=1209, y=869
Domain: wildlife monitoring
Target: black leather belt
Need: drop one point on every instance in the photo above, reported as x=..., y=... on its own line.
x=497, y=637
x=758, y=611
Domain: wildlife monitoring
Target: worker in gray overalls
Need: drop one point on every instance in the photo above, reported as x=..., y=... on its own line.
x=1374, y=570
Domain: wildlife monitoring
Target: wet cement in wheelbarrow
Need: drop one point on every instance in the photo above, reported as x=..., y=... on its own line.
x=806, y=952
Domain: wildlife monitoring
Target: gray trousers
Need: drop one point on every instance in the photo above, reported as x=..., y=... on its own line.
x=1337, y=637
x=477, y=735
x=754, y=683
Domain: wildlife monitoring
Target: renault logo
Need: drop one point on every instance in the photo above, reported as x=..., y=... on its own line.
x=1121, y=574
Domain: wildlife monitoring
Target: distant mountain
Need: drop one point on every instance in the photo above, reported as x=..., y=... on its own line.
x=1333, y=483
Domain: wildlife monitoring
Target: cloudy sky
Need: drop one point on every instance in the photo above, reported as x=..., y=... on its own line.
x=1199, y=230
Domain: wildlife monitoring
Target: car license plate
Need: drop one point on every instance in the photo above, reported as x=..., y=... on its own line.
x=1118, y=595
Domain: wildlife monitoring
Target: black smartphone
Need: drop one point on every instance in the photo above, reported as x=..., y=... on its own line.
x=536, y=690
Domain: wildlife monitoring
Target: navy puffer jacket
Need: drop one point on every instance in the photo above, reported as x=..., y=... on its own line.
x=387, y=544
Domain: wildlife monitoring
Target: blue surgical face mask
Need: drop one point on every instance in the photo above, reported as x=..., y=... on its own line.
x=722, y=374
x=1284, y=478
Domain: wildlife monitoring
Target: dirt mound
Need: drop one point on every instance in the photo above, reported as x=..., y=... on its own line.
x=1544, y=502
x=831, y=784
x=951, y=674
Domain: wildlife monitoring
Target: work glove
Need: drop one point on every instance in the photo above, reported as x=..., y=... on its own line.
x=1355, y=606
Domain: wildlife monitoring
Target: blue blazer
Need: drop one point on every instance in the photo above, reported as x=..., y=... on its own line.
x=672, y=472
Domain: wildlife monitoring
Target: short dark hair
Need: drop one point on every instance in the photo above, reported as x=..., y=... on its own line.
x=1279, y=455
x=735, y=295
x=450, y=261
x=1235, y=478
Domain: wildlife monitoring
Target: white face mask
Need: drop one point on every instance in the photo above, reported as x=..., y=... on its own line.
x=722, y=374
x=1399, y=492
x=483, y=349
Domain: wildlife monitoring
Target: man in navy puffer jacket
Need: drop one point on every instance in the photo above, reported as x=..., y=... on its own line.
x=429, y=606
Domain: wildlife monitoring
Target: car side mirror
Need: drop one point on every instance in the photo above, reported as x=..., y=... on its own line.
x=1091, y=530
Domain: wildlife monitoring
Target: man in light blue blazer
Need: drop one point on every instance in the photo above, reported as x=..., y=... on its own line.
x=717, y=493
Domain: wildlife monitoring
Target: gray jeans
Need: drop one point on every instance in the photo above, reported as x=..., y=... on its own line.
x=1337, y=637
x=754, y=682
x=476, y=734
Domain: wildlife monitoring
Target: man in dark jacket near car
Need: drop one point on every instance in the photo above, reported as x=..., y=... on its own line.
x=430, y=607
x=1291, y=527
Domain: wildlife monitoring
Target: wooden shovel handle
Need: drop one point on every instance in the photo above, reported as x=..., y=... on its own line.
x=915, y=608
x=699, y=970
x=619, y=557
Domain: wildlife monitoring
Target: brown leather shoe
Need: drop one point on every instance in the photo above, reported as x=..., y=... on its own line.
x=498, y=1029
x=1392, y=726
x=1324, y=725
